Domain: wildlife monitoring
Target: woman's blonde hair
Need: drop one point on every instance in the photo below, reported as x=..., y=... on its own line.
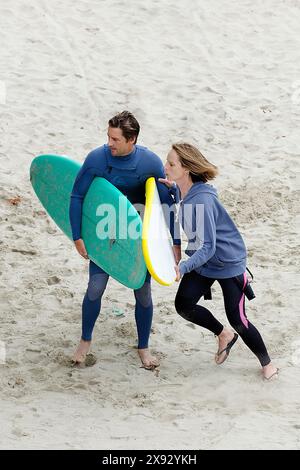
x=192, y=159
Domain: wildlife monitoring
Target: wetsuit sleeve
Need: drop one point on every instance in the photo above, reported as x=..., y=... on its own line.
x=174, y=191
x=80, y=188
x=204, y=225
x=169, y=209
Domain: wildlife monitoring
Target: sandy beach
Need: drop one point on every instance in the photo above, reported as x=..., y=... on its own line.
x=224, y=76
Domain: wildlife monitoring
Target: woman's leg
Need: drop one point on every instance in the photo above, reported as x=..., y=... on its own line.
x=192, y=287
x=234, y=301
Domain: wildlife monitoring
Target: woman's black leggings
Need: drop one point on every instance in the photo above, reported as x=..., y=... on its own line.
x=193, y=286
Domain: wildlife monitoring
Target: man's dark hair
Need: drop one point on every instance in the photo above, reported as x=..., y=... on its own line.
x=127, y=122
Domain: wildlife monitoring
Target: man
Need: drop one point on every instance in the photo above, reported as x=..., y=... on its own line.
x=127, y=166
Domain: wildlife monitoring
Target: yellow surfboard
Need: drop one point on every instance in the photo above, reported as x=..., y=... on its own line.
x=156, y=239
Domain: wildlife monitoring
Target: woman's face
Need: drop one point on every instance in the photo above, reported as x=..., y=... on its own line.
x=173, y=167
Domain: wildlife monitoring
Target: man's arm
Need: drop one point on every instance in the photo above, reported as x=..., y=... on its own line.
x=80, y=188
x=174, y=193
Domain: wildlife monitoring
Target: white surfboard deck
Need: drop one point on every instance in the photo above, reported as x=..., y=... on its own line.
x=156, y=239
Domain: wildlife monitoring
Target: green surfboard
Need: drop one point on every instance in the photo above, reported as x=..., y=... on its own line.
x=111, y=227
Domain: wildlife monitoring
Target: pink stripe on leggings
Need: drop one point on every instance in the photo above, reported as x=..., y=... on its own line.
x=241, y=305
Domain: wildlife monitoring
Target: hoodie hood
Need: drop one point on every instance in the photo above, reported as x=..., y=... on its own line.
x=200, y=187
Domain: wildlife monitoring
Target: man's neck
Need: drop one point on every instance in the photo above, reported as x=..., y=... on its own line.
x=127, y=153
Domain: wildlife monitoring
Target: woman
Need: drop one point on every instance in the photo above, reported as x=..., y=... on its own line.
x=216, y=253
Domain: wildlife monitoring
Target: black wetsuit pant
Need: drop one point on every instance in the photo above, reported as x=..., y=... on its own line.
x=193, y=286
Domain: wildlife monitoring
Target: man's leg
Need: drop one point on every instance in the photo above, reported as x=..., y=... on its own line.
x=90, y=309
x=143, y=318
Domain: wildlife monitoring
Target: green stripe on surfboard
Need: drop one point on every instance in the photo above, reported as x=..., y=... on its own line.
x=119, y=254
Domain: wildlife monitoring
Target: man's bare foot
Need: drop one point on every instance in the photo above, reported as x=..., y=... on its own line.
x=81, y=351
x=270, y=372
x=226, y=340
x=148, y=361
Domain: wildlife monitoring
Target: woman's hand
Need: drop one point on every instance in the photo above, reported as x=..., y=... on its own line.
x=178, y=275
x=177, y=253
x=167, y=182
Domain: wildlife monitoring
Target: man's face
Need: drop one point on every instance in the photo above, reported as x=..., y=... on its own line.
x=117, y=143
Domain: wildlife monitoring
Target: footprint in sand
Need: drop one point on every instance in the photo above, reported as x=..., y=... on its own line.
x=53, y=280
x=90, y=361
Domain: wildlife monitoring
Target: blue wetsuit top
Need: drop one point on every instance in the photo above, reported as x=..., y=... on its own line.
x=127, y=173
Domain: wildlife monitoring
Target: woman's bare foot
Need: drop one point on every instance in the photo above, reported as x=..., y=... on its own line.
x=81, y=351
x=270, y=372
x=148, y=361
x=226, y=342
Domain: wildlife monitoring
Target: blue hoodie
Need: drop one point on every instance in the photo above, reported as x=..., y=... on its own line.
x=215, y=246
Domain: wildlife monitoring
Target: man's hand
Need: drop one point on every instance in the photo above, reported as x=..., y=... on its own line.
x=177, y=253
x=167, y=182
x=80, y=247
x=178, y=275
